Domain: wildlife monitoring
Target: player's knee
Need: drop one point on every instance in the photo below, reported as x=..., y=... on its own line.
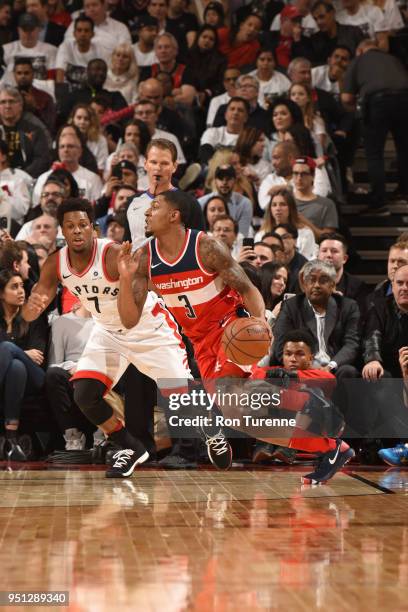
x=88, y=396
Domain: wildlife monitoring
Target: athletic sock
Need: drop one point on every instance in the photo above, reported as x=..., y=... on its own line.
x=124, y=439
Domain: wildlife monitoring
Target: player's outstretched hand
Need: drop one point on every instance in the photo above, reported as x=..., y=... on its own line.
x=128, y=263
x=36, y=303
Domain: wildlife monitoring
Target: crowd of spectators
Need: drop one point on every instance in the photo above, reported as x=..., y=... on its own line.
x=264, y=105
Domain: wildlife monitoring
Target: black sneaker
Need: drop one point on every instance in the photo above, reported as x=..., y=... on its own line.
x=219, y=450
x=15, y=452
x=176, y=462
x=328, y=464
x=125, y=462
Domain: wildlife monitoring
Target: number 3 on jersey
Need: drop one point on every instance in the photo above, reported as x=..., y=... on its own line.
x=189, y=309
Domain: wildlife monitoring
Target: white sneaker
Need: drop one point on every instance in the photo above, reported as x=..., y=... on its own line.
x=75, y=440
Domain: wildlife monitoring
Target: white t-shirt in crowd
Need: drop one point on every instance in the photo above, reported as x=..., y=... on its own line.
x=169, y=136
x=368, y=18
x=392, y=15
x=89, y=183
x=320, y=79
x=73, y=62
x=127, y=86
x=42, y=57
x=278, y=84
x=108, y=34
x=144, y=59
x=215, y=105
x=321, y=185
x=99, y=148
x=309, y=25
x=19, y=184
x=219, y=136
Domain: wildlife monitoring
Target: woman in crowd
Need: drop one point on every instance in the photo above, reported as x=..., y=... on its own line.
x=241, y=45
x=274, y=280
x=214, y=15
x=282, y=209
x=302, y=95
x=87, y=121
x=22, y=348
x=123, y=72
x=213, y=208
x=272, y=83
x=250, y=149
x=207, y=64
x=285, y=114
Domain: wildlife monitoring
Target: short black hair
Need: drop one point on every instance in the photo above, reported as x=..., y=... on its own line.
x=325, y=3
x=345, y=48
x=181, y=201
x=238, y=99
x=74, y=205
x=23, y=61
x=300, y=335
x=290, y=229
x=83, y=17
x=273, y=235
x=334, y=236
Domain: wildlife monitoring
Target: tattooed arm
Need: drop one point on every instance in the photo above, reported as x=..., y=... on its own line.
x=216, y=258
x=133, y=284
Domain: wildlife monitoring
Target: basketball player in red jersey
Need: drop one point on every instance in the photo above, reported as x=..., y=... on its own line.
x=203, y=287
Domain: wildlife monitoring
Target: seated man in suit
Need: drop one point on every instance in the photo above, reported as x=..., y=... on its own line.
x=332, y=319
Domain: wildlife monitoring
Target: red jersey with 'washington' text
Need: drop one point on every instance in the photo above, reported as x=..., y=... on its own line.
x=198, y=299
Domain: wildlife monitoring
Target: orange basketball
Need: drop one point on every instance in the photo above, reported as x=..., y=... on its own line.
x=246, y=340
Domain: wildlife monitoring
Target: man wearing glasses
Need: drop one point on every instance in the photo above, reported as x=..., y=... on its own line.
x=26, y=142
x=52, y=196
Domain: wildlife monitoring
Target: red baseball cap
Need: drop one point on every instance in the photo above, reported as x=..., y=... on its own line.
x=308, y=161
x=290, y=12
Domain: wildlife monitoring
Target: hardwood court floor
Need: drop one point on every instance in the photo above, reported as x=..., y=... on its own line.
x=198, y=541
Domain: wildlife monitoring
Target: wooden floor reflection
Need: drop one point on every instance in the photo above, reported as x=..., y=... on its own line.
x=207, y=541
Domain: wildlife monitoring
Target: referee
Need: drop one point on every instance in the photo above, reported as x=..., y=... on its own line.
x=381, y=82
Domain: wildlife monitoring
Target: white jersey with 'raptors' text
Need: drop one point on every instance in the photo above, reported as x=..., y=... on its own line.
x=97, y=292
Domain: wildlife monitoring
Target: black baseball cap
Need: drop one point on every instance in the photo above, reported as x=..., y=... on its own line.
x=225, y=172
x=146, y=21
x=28, y=22
x=127, y=165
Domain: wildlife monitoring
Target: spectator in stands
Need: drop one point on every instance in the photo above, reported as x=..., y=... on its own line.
x=285, y=114
x=272, y=83
x=332, y=319
x=44, y=230
x=116, y=198
x=229, y=80
x=330, y=76
x=53, y=194
x=115, y=226
x=159, y=10
x=214, y=15
x=319, y=211
x=331, y=33
x=86, y=120
x=240, y=207
x=69, y=334
x=108, y=32
x=213, y=208
x=382, y=82
x=6, y=31
x=273, y=240
x=288, y=41
x=386, y=329
x=57, y=14
x=207, y=63
x=123, y=72
x=14, y=257
x=225, y=156
x=137, y=132
x=250, y=148
x=169, y=119
x=247, y=88
x=397, y=257
x=69, y=153
x=148, y=29
x=292, y=258
x=392, y=15
x=26, y=142
x=225, y=228
x=18, y=183
x=241, y=44
x=367, y=17
x=148, y=112
x=333, y=249
x=22, y=349
x=74, y=54
x=301, y=94
x=236, y=116
x=97, y=71
x=257, y=255
x=184, y=20
x=274, y=278
x=36, y=101
x=282, y=209
x=28, y=45
x=301, y=9
x=50, y=32
x=283, y=157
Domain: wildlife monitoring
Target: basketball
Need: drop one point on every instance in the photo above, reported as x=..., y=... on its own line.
x=246, y=340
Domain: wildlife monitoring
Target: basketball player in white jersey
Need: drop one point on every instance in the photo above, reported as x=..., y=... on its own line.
x=98, y=272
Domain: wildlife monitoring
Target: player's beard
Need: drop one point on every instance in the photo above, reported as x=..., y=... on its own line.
x=148, y=233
